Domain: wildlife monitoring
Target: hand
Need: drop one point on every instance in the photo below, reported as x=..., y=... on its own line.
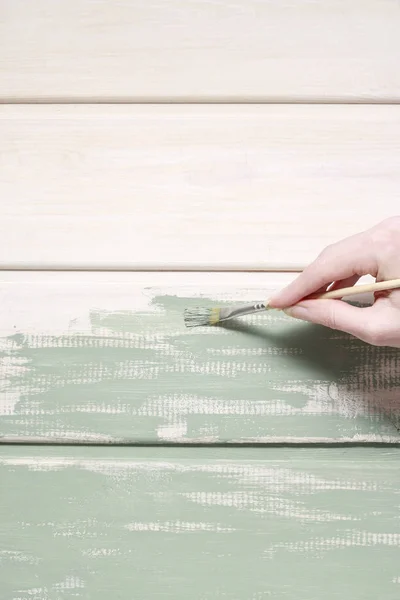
x=373, y=252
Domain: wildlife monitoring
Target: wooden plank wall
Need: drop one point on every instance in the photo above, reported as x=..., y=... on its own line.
x=233, y=523
x=153, y=137
x=220, y=51
x=99, y=357
x=206, y=187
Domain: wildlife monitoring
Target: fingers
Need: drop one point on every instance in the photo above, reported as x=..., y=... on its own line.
x=336, y=314
x=349, y=258
x=343, y=283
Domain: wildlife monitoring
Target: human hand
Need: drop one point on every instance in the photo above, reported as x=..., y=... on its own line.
x=373, y=252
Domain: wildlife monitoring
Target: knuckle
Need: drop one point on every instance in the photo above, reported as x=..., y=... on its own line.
x=326, y=252
x=324, y=259
x=391, y=223
x=386, y=235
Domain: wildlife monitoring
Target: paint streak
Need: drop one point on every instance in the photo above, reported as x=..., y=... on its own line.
x=178, y=527
x=351, y=539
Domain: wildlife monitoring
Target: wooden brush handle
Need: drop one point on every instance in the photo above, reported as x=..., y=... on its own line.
x=381, y=286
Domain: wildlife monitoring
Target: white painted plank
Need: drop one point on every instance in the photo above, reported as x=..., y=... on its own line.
x=99, y=358
x=185, y=50
x=166, y=523
x=204, y=187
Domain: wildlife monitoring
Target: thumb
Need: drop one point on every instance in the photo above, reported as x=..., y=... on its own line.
x=335, y=314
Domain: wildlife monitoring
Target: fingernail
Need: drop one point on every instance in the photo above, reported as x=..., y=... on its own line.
x=297, y=312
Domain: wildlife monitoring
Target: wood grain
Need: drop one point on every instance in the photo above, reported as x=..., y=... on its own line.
x=101, y=358
x=299, y=524
x=188, y=50
x=212, y=187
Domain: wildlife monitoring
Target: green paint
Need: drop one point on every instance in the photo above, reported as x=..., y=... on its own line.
x=236, y=524
x=145, y=377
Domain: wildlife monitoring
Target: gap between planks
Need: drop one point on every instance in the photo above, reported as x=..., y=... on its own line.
x=156, y=268
x=19, y=101
x=385, y=442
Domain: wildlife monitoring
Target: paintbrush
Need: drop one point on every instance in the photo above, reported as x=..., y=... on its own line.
x=197, y=317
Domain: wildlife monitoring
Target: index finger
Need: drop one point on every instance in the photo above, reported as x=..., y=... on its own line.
x=351, y=256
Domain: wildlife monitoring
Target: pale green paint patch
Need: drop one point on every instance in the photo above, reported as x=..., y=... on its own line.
x=236, y=524
x=142, y=376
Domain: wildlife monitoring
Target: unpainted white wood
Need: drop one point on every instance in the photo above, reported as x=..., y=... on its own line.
x=204, y=187
x=190, y=50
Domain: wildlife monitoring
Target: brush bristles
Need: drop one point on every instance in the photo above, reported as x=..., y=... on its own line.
x=198, y=317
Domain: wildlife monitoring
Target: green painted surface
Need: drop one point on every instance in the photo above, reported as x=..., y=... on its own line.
x=140, y=375
x=126, y=523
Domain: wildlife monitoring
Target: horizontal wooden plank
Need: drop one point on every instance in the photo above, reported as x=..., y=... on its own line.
x=96, y=523
x=101, y=358
x=184, y=50
x=212, y=187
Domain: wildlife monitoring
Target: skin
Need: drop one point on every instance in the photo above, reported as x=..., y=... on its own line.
x=375, y=252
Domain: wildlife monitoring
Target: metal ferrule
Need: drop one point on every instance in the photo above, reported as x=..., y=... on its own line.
x=239, y=311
